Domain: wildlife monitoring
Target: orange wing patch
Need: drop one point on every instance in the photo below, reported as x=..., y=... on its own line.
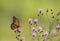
x=16, y=22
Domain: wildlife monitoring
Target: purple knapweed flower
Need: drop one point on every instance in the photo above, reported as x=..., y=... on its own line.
x=45, y=33
x=40, y=29
x=54, y=32
x=33, y=34
x=40, y=10
x=35, y=21
x=18, y=29
x=58, y=27
x=30, y=21
x=23, y=39
x=34, y=29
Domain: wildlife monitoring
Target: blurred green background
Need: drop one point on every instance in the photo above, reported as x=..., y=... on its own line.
x=23, y=10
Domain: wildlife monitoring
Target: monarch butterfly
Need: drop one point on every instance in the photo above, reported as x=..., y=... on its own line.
x=15, y=24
